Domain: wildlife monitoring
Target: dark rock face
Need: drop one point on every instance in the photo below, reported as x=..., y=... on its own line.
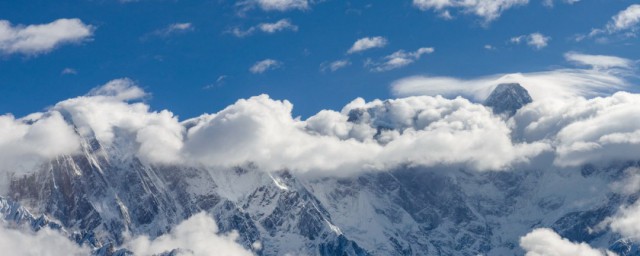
x=508, y=98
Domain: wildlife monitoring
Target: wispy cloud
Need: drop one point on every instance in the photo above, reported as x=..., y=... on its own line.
x=274, y=5
x=264, y=65
x=269, y=28
x=605, y=77
x=335, y=65
x=398, y=59
x=170, y=30
x=625, y=24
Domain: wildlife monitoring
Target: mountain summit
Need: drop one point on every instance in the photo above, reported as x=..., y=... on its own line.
x=508, y=98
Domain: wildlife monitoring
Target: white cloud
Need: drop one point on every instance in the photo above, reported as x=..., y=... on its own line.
x=44, y=242
x=488, y=10
x=627, y=19
x=598, y=61
x=625, y=22
x=264, y=65
x=105, y=114
x=198, y=235
x=367, y=43
x=42, y=38
x=333, y=66
x=584, y=130
x=283, y=24
x=559, y=83
x=69, y=71
x=174, y=29
x=363, y=136
x=546, y=242
x=270, y=28
x=28, y=142
x=550, y=3
x=626, y=222
x=419, y=131
x=277, y=5
x=535, y=40
x=399, y=59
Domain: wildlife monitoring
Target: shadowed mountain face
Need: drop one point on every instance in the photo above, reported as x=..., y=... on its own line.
x=508, y=98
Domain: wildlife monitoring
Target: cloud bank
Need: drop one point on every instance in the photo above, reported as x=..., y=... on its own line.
x=567, y=129
x=42, y=38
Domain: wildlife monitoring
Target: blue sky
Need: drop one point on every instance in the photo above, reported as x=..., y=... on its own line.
x=186, y=54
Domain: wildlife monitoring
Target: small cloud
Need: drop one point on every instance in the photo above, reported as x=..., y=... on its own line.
x=264, y=65
x=219, y=82
x=42, y=38
x=367, y=43
x=283, y=24
x=333, y=66
x=535, y=40
x=550, y=3
x=269, y=28
x=399, y=59
x=489, y=47
x=69, y=71
x=173, y=29
x=238, y=32
x=274, y=5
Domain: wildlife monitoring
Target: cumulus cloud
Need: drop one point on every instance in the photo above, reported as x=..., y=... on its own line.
x=535, y=40
x=27, y=142
x=270, y=28
x=42, y=38
x=367, y=43
x=488, y=10
x=584, y=130
x=198, y=235
x=44, y=242
x=546, y=242
x=559, y=83
x=264, y=65
x=363, y=136
x=398, y=59
x=105, y=114
x=418, y=131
